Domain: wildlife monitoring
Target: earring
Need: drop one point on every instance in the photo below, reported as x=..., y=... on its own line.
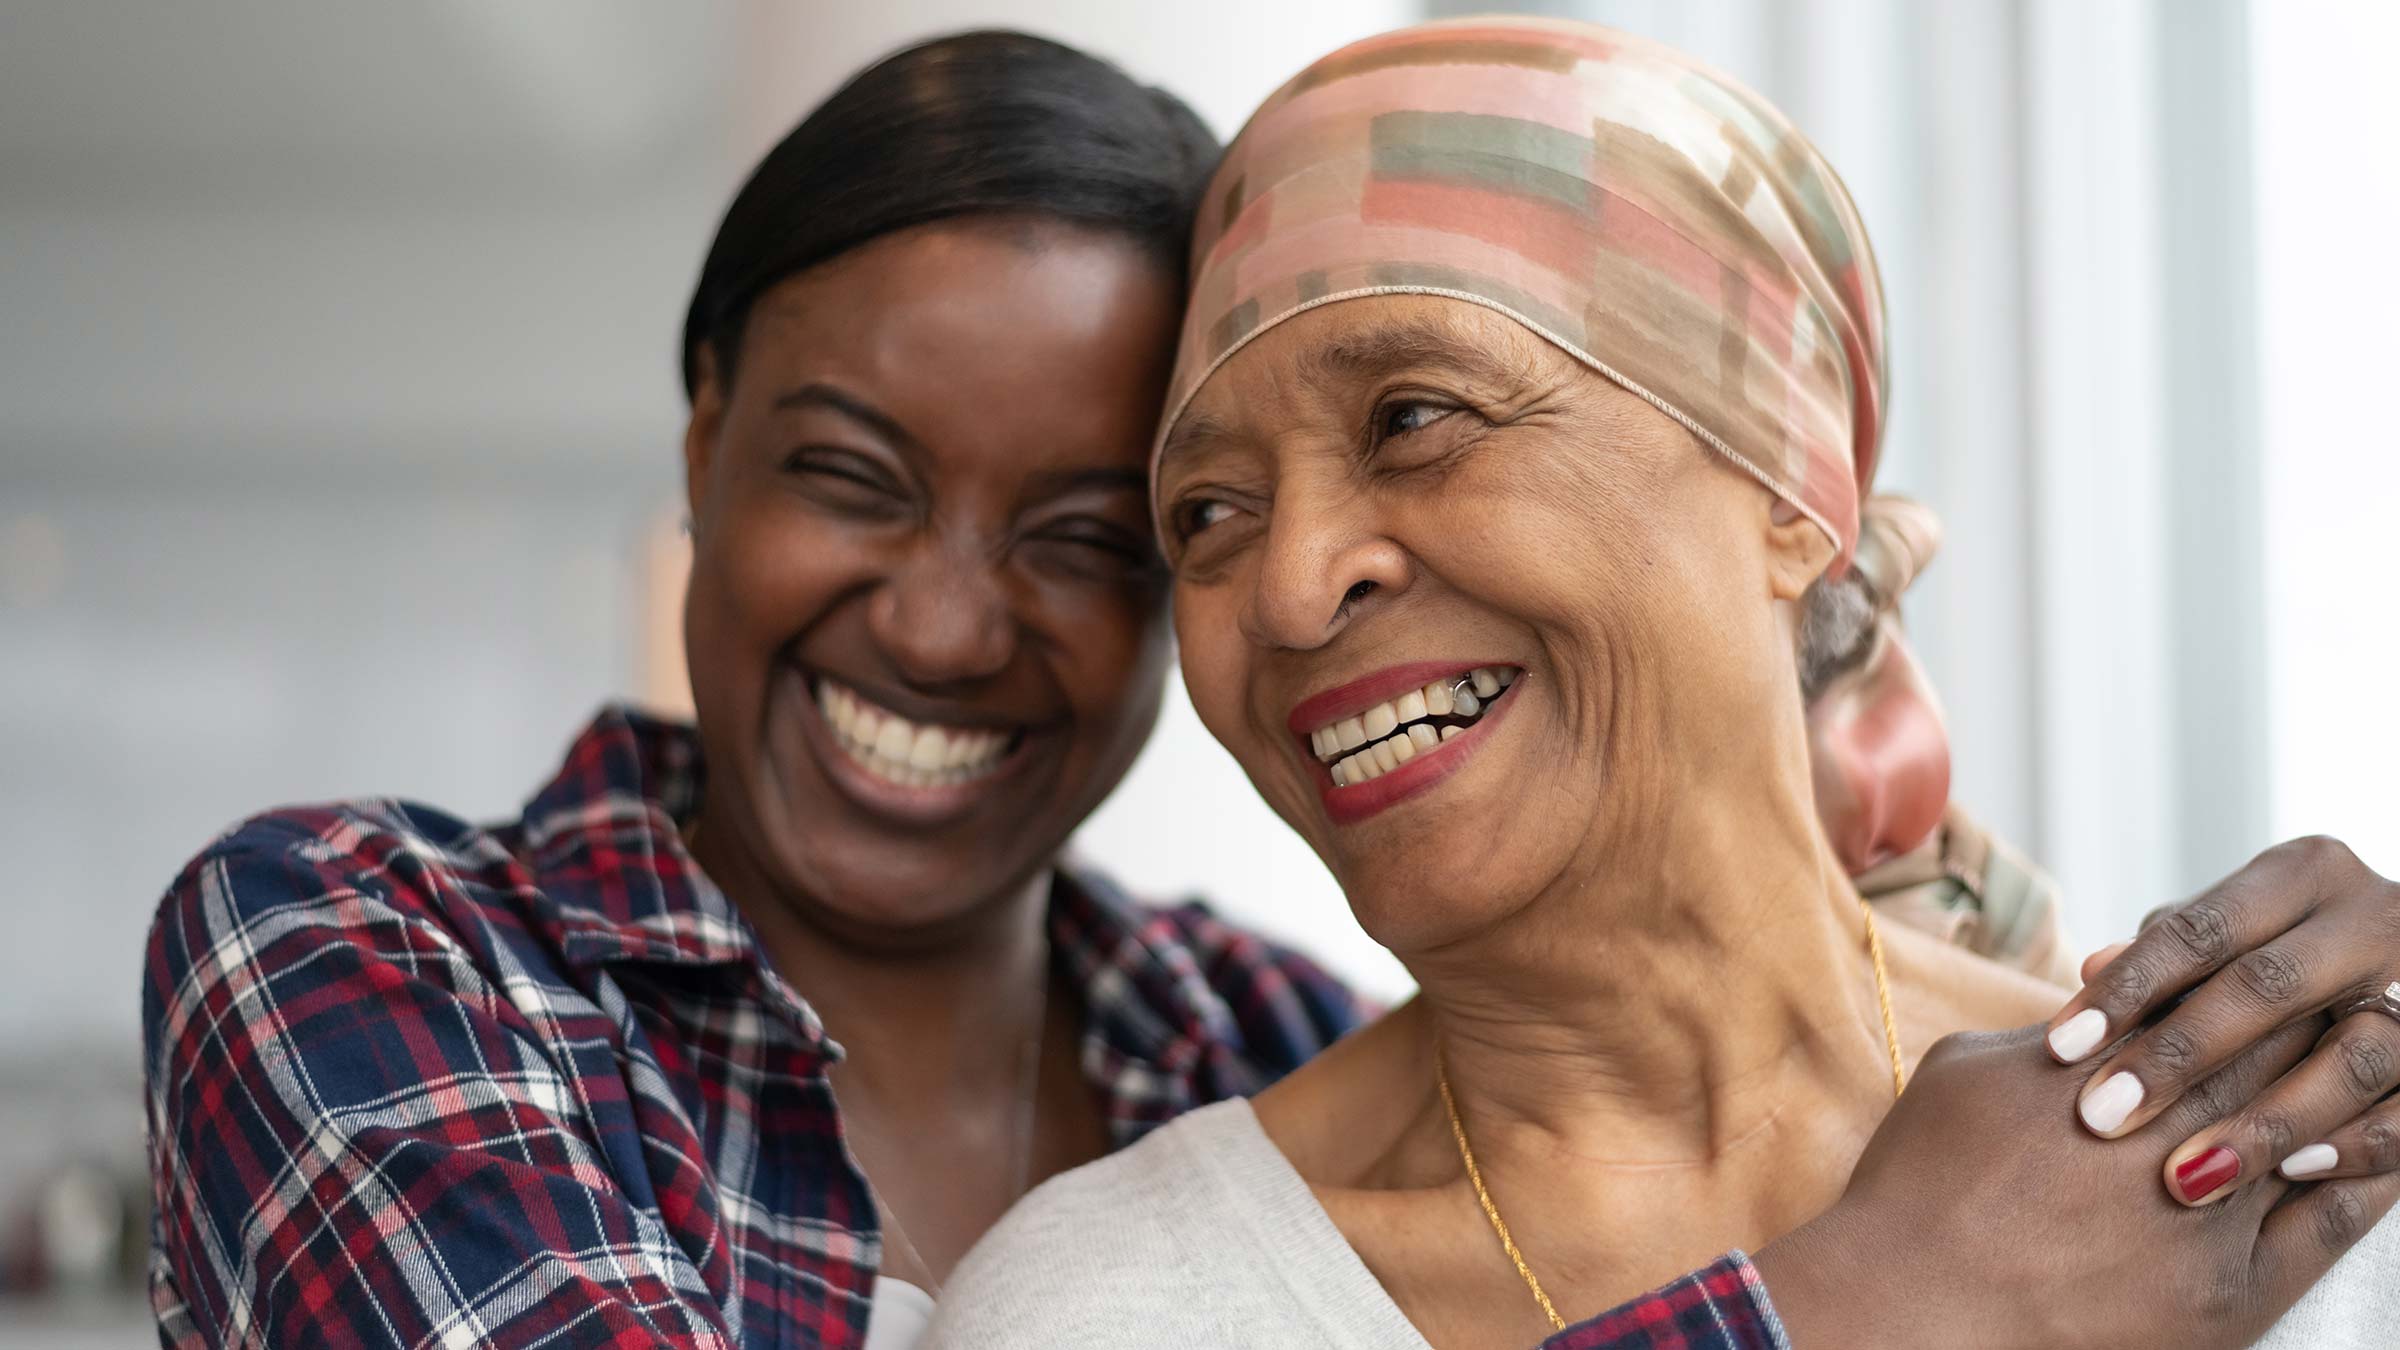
x=687, y=525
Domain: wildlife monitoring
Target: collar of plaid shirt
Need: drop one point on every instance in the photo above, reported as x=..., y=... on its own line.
x=547, y=1063
x=613, y=883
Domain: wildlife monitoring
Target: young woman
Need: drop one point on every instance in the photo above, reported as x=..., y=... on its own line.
x=746, y=1030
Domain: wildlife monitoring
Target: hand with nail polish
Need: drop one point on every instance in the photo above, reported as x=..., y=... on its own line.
x=1983, y=1215
x=2305, y=934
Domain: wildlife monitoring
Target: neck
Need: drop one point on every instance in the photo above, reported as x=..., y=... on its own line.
x=920, y=1017
x=1663, y=1014
x=957, y=1086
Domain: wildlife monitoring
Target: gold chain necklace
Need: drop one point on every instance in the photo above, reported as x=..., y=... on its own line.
x=1458, y=1129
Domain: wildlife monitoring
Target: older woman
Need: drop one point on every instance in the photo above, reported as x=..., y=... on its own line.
x=1531, y=381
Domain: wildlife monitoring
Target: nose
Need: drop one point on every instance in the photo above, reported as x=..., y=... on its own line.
x=1326, y=561
x=943, y=616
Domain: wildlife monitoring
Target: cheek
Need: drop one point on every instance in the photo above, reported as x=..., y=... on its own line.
x=1217, y=674
x=1209, y=641
x=1599, y=549
x=759, y=577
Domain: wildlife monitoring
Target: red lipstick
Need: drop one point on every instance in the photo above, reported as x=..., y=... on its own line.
x=1350, y=805
x=1333, y=705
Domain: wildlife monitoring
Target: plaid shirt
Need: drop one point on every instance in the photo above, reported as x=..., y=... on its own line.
x=412, y=1082
x=1721, y=1307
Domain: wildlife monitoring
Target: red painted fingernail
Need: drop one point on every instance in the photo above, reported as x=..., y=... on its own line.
x=2203, y=1173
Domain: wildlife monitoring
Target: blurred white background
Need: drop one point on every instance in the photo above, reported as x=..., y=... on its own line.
x=338, y=422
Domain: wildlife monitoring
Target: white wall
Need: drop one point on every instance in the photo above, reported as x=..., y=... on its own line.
x=195, y=652
x=1223, y=58
x=2328, y=119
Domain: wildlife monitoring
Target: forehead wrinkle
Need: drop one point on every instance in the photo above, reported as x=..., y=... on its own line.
x=1195, y=427
x=1383, y=347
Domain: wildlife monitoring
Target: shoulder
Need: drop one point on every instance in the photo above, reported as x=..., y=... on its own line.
x=1274, y=1007
x=1939, y=988
x=328, y=890
x=388, y=854
x=1116, y=1252
x=1288, y=1006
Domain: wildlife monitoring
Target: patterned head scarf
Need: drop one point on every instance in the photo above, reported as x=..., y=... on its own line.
x=1653, y=218
x=1659, y=223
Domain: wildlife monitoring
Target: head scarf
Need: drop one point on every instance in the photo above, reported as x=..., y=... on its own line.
x=1655, y=220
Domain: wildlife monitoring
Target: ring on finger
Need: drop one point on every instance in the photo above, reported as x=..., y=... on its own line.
x=2323, y=1157
x=2385, y=1001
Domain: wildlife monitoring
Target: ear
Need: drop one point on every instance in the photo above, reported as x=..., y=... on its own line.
x=1798, y=551
x=700, y=434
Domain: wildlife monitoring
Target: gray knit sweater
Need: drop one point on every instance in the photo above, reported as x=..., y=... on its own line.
x=1202, y=1237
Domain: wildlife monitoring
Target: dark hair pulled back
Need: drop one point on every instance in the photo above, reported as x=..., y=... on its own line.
x=982, y=122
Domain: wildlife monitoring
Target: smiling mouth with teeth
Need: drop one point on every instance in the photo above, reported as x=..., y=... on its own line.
x=905, y=753
x=1369, y=744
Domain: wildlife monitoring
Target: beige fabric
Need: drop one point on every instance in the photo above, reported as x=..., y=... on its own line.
x=1967, y=886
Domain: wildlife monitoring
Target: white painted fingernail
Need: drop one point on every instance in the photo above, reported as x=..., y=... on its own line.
x=2079, y=1035
x=2106, y=1108
x=2310, y=1161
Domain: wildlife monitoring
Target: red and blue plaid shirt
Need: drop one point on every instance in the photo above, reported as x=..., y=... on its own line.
x=414, y=1082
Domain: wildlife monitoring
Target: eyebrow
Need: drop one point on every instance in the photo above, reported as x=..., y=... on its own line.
x=1046, y=485
x=821, y=395
x=1190, y=430
x=1380, y=349
x=1367, y=354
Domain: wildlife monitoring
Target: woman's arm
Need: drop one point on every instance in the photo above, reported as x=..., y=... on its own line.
x=351, y=1144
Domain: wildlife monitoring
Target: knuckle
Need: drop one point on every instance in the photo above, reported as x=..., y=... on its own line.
x=2126, y=987
x=2203, y=930
x=2272, y=976
x=2316, y=851
x=2207, y=1101
x=1953, y=1051
x=2366, y=1060
x=2273, y=1130
x=2171, y=1053
x=2341, y=1218
x=1951, y=1047
x=2379, y=1144
x=2328, y=858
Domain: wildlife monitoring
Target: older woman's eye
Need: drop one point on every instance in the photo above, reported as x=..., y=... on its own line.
x=1399, y=419
x=1198, y=513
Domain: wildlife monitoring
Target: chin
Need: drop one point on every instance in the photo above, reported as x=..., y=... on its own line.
x=888, y=897
x=1433, y=880
x=1408, y=909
